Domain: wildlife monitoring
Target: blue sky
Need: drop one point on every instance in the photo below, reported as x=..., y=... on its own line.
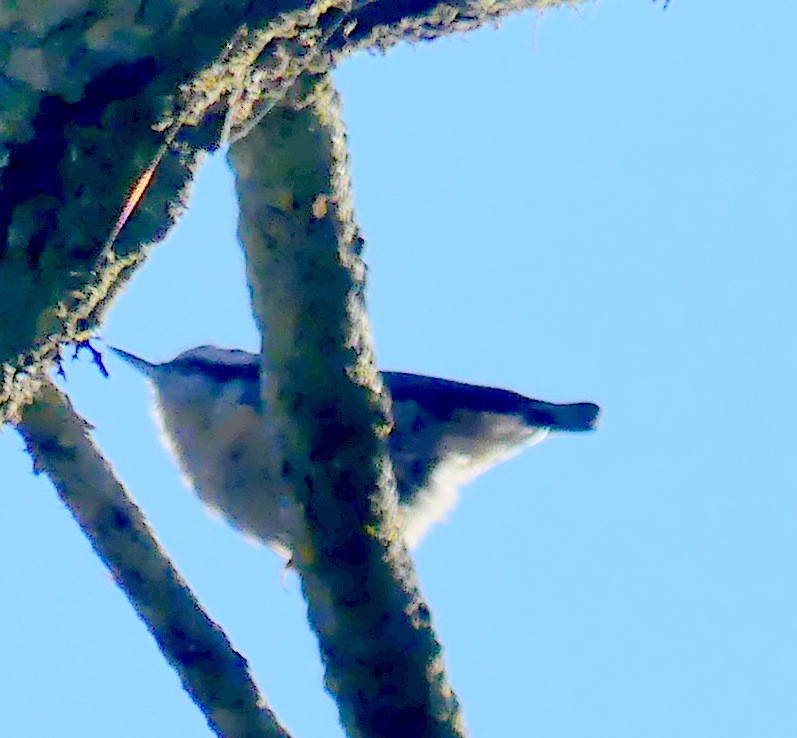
x=593, y=204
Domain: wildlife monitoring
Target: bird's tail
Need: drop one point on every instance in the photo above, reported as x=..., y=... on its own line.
x=574, y=417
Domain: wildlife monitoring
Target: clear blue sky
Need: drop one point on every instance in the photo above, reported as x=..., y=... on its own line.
x=595, y=204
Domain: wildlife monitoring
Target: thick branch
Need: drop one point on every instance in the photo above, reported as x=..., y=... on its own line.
x=93, y=135
x=383, y=23
x=328, y=416
x=214, y=675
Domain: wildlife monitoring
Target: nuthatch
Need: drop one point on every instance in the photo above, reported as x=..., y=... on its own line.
x=445, y=434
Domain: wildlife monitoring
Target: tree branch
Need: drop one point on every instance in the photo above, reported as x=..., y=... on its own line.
x=327, y=415
x=215, y=676
x=381, y=24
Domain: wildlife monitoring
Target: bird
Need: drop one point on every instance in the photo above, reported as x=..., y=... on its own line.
x=445, y=433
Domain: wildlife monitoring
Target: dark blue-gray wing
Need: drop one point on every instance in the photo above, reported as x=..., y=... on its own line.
x=442, y=397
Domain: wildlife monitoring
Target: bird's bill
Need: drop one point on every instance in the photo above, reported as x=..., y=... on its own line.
x=142, y=365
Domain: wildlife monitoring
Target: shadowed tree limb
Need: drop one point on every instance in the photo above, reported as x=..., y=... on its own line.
x=215, y=675
x=326, y=413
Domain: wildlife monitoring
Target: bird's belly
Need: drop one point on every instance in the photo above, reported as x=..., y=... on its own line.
x=235, y=472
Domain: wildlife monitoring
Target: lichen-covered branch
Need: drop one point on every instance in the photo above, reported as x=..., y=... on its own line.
x=215, y=676
x=381, y=24
x=327, y=414
x=91, y=138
